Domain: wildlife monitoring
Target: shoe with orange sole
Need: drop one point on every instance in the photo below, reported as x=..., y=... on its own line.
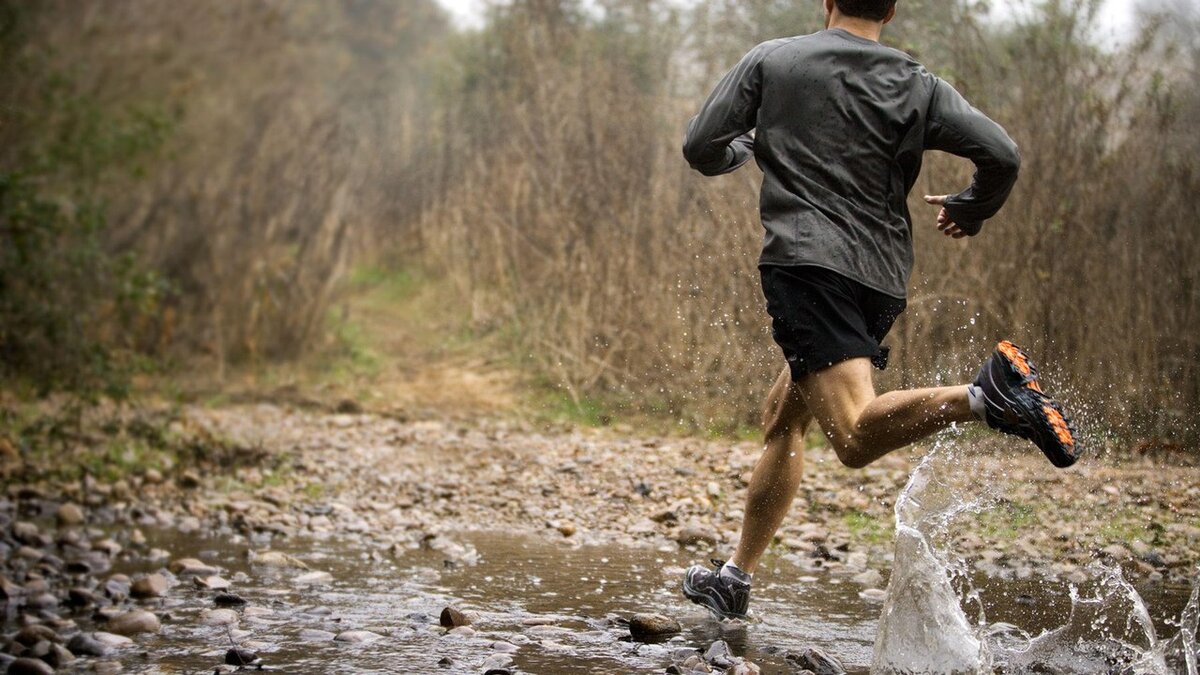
x=1014, y=403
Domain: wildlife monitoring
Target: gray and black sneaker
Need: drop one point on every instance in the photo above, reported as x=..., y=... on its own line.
x=1014, y=403
x=722, y=594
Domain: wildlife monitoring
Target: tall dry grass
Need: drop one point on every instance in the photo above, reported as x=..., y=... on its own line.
x=572, y=222
x=296, y=145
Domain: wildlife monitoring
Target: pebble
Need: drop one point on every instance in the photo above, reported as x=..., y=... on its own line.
x=357, y=636
x=111, y=640
x=278, y=559
x=219, y=617
x=313, y=579
x=452, y=617
x=692, y=536
x=27, y=666
x=134, y=622
x=873, y=594
x=84, y=644
x=649, y=626
x=211, y=582
x=817, y=661
x=228, y=599
x=149, y=586
x=69, y=515
x=186, y=567
x=870, y=578
x=240, y=657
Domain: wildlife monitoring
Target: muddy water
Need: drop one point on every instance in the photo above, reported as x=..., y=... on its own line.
x=555, y=602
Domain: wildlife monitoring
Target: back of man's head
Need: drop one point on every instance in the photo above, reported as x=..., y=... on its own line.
x=874, y=10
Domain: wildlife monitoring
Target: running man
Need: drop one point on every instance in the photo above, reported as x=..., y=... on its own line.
x=840, y=124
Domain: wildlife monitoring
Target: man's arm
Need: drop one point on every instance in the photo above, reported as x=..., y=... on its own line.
x=954, y=126
x=717, y=139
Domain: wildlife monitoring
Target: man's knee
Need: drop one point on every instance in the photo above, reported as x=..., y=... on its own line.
x=850, y=451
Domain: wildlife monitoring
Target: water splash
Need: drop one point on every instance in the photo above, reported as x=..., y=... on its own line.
x=925, y=629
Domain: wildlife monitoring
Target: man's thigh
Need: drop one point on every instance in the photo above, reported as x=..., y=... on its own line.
x=837, y=395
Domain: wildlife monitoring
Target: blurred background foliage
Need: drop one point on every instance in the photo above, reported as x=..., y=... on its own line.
x=193, y=181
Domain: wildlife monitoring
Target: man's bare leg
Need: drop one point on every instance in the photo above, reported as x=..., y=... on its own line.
x=863, y=427
x=777, y=473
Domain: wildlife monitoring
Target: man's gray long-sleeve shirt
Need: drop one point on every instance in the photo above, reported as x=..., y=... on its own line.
x=840, y=124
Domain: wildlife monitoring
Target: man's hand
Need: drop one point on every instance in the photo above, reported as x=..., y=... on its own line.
x=945, y=225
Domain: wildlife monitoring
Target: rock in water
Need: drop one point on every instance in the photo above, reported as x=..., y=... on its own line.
x=453, y=618
x=25, y=666
x=718, y=654
x=134, y=622
x=228, y=600
x=149, y=586
x=219, y=617
x=817, y=661
x=86, y=645
x=191, y=567
x=211, y=582
x=240, y=657
x=357, y=636
x=650, y=626
x=278, y=559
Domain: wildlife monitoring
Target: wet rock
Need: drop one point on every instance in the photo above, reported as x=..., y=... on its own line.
x=315, y=635
x=744, y=668
x=650, y=626
x=461, y=631
x=54, y=655
x=80, y=597
x=211, y=583
x=85, y=644
x=111, y=640
x=357, y=636
x=229, y=600
x=28, y=666
x=149, y=586
x=504, y=647
x=497, y=663
x=277, y=559
x=42, y=601
x=718, y=654
x=873, y=594
x=445, y=662
x=452, y=617
x=134, y=622
x=69, y=515
x=186, y=567
x=219, y=617
x=817, y=661
x=31, y=635
x=117, y=587
x=240, y=657
x=567, y=529
x=313, y=579
x=692, y=536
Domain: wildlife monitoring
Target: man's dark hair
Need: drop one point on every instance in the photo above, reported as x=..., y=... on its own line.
x=875, y=10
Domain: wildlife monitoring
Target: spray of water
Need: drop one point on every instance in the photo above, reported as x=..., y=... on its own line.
x=924, y=627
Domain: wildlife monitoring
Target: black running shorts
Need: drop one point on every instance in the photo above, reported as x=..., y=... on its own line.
x=820, y=317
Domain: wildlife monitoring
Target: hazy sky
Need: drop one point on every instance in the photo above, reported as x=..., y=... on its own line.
x=1116, y=17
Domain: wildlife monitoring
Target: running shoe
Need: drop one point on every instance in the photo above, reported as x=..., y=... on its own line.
x=1014, y=403
x=721, y=594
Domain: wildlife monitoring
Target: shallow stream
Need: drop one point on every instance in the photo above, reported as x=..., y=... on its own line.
x=550, y=600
